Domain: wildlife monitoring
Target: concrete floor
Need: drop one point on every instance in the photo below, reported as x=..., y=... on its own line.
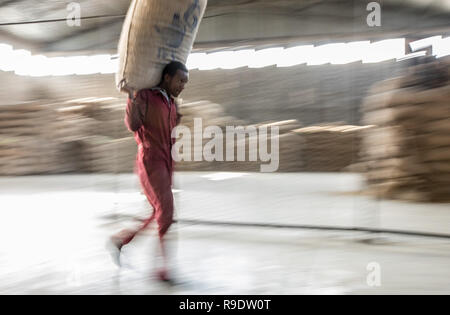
x=55, y=228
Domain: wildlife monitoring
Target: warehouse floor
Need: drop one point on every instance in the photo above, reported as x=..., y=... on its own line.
x=55, y=229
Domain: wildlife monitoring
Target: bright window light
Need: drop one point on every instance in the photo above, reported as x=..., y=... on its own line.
x=325, y=53
x=295, y=56
x=83, y=65
x=213, y=61
x=6, y=58
x=110, y=65
x=23, y=63
x=19, y=58
x=237, y=59
x=413, y=55
x=442, y=48
x=194, y=60
x=425, y=43
x=101, y=63
x=385, y=50
x=60, y=66
x=265, y=57
x=351, y=52
x=209, y=62
x=35, y=66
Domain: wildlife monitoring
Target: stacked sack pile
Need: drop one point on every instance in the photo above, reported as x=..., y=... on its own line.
x=208, y=115
x=290, y=144
x=92, y=137
x=107, y=155
x=27, y=145
x=86, y=135
x=407, y=153
x=329, y=147
x=71, y=128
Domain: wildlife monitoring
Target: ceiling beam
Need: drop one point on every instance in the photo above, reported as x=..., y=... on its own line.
x=85, y=39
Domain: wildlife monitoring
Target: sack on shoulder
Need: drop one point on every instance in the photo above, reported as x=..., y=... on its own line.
x=156, y=32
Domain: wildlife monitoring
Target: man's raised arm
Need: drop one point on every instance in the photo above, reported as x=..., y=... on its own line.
x=136, y=108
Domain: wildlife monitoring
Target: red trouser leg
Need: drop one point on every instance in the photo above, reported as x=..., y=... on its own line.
x=155, y=180
x=126, y=236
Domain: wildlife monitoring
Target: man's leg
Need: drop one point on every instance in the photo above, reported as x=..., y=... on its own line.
x=125, y=236
x=164, y=218
x=159, y=188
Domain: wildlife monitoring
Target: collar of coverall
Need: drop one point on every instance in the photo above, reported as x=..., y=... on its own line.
x=164, y=93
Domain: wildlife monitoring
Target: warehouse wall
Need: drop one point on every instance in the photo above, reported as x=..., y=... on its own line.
x=92, y=138
x=310, y=94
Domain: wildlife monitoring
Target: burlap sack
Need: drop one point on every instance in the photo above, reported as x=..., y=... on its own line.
x=154, y=33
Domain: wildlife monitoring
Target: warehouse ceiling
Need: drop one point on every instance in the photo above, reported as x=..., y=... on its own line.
x=227, y=23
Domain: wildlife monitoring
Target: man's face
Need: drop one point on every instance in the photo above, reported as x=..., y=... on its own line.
x=177, y=82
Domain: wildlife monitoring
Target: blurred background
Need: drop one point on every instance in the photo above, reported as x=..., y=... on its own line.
x=364, y=117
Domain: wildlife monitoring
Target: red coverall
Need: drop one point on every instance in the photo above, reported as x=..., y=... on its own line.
x=152, y=117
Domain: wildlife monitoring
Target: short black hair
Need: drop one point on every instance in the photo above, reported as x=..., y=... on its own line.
x=172, y=68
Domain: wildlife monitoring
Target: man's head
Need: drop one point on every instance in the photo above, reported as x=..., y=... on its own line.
x=175, y=76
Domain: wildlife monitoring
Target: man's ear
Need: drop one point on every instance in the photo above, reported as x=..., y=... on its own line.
x=166, y=78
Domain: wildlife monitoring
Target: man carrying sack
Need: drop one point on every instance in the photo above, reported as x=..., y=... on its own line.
x=157, y=38
x=152, y=115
